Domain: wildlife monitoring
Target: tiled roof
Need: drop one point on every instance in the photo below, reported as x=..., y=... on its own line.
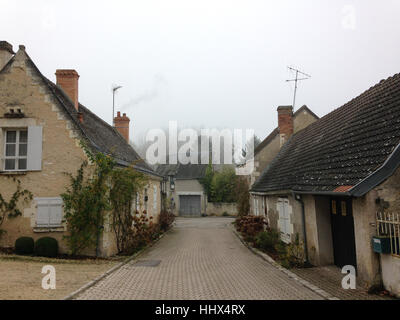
x=341, y=149
x=183, y=172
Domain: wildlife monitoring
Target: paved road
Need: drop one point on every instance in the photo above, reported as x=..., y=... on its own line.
x=200, y=258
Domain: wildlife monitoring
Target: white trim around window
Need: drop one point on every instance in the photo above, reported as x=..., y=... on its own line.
x=15, y=150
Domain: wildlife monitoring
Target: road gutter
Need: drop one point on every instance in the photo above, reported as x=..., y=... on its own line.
x=264, y=256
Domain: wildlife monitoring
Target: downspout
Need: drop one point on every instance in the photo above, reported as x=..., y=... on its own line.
x=303, y=218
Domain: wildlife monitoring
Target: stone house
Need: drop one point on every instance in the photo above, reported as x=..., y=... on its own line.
x=41, y=126
x=183, y=188
x=330, y=179
x=266, y=151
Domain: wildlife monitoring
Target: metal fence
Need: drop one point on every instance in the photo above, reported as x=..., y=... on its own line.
x=388, y=225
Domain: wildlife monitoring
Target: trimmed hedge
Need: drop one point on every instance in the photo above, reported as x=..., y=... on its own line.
x=24, y=245
x=46, y=247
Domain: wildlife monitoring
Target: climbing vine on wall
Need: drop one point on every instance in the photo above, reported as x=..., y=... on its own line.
x=86, y=201
x=99, y=192
x=125, y=184
x=9, y=209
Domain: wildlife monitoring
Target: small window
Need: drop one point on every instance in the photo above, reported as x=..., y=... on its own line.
x=16, y=150
x=344, y=208
x=49, y=212
x=334, y=211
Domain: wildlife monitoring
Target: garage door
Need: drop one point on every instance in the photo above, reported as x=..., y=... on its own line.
x=190, y=205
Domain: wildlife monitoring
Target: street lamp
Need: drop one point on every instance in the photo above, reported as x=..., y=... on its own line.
x=114, y=90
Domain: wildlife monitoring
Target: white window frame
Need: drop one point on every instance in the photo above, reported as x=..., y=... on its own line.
x=17, y=157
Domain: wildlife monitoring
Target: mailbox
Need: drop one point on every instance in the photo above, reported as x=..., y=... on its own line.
x=381, y=244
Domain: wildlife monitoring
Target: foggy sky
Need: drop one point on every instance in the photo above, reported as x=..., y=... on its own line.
x=209, y=63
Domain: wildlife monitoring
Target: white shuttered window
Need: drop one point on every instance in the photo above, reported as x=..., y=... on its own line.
x=49, y=212
x=23, y=149
x=284, y=223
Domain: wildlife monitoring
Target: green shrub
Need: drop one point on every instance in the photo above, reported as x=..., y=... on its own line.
x=225, y=214
x=46, y=247
x=24, y=245
x=295, y=253
x=267, y=240
x=280, y=249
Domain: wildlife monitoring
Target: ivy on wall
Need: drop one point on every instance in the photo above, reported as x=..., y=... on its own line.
x=9, y=209
x=95, y=191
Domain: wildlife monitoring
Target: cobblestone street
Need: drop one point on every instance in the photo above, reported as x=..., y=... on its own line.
x=199, y=258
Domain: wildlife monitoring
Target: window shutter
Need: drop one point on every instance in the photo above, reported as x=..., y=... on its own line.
x=55, y=209
x=42, y=218
x=34, y=162
x=154, y=197
x=49, y=212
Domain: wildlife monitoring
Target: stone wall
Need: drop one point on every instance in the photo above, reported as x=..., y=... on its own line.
x=218, y=209
x=389, y=195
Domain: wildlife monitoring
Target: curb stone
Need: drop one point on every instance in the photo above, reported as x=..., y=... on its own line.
x=74, y=294
x=295, y=277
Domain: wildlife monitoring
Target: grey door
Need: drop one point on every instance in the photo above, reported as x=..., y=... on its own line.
x=190, y=205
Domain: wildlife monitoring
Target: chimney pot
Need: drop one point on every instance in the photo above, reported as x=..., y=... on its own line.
x=67, y=79
x=6, y=53
x=122, y=125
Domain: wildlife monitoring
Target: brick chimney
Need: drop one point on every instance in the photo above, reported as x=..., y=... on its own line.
x=68, y=81
x=285, y=123
x=6, y=53
x=122, y=125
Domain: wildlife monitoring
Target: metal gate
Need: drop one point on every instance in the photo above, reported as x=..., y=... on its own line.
x=342, y=222
x=190, y=205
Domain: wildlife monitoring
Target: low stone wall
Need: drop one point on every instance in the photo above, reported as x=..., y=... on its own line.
x=218, y=209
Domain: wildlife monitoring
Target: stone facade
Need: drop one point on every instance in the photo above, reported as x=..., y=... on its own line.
x=319, y=230
x=389, y=194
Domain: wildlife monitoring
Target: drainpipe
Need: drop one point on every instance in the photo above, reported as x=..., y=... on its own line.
x=303, y=218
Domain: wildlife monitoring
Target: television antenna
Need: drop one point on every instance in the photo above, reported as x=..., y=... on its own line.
x=296, y=80
x=114, y=89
